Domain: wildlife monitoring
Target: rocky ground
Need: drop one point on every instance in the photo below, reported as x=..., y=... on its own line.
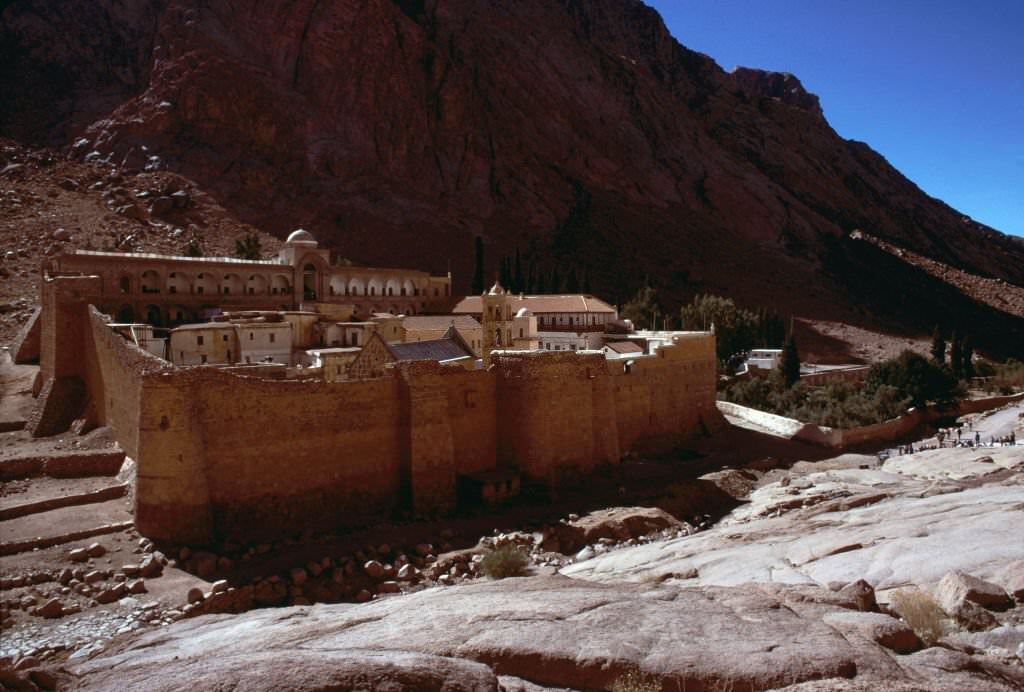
x=752, y=563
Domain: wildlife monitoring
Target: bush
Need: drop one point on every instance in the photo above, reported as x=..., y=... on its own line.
x=921, y=612
x=635, y=681
x=507, y=561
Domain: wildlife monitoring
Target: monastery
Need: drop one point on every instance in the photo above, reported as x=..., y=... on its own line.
x=263, y=398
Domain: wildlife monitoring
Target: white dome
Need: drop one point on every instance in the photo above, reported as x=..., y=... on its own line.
x=524, y=312
x=300, y=236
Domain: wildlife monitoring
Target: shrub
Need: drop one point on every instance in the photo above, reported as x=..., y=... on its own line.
x=921, y=612
x=635, y=681
x=507, y=561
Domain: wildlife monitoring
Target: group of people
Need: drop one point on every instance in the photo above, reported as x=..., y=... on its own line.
x=944, y=438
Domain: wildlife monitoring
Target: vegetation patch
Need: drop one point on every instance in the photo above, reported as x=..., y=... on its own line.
x=921, y=612
x=507, y=561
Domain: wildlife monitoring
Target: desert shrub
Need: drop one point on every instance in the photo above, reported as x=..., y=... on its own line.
x=921, y=612
x=917, y=378
x=635, y=681
x=506, y=561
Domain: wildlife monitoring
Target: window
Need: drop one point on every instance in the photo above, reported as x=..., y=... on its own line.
x=225, y=337
x=199, y=341
x=126, y=284
x=199, y=290
x=227, y=290
x=203, y=357
x=520, y=332
x=272, y=335
x=251, y=336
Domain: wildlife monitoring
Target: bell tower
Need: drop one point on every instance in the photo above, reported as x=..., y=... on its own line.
x=496, y=321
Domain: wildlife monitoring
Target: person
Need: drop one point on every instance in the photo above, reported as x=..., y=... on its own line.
x=1013, y=438
x=977, y=439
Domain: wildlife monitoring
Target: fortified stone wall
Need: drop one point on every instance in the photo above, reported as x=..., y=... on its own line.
x=222, y=456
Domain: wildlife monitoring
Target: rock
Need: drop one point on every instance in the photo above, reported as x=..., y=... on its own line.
x=423, y=549
x=388, y=587
x=195, y=595
x=137, y=586
x=181, y=199
x=94, y=576
x=619, y=524
x=43, y=679
x=298, y=576
x=204, y=564
x=407, y=573
x=337, y=575
x=862, y=594
x=957, y=588
x=1012, y=579
x=972, y=617
x=26, y=663
x=107, y=595
x=219, y=586
x=160, y=206
x=65, y=576
x=150, y=567
x=131, y=570
x=374, y=569
x=97, y=550
x=78, y=555
x=51, y=609
x=363, y=596
x=62, y=234
x=883, y=629
x=314, y=569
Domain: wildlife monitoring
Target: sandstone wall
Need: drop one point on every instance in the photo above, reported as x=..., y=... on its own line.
x=222, y=456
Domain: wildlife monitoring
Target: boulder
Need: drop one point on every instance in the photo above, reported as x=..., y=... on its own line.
x=195, y=595
x=374, y=569
x=96, y=550
x=862, y=594
x=1012, y=579
x=958, y=588
x=298, y=576
x=51, y=609
x=883, y=629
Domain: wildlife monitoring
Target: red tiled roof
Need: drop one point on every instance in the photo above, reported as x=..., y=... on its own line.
x=576, y=302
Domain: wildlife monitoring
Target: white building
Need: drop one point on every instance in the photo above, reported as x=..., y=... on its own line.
x=764, y=358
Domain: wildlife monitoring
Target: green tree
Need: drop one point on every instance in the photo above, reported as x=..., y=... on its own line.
x=915, y=377
x=248, y=247
x=505, y=273
x=790, y=364
x=735, y=329
x=478, y=266
x=540, y=287
x=967, y=357
x=587, y=287
x=642, y=309
x=556, y=280
x=956, y=354
x=938, y=345
x=518, y=282
x=572, y=284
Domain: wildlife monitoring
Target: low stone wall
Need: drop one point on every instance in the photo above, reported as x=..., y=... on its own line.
x=842, y=438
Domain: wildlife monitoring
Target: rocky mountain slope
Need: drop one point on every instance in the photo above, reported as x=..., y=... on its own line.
x=582, y=133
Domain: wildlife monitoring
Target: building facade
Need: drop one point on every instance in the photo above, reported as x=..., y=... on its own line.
x=164, y=290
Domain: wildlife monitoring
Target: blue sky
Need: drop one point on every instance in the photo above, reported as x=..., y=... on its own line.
x=937, y=87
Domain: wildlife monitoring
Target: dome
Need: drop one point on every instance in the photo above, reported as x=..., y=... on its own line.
x=496, y=289
x=524, y=312
x=300, y=236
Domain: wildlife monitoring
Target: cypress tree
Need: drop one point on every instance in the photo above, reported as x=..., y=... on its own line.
x=572, y=284
x=505, y=275
x=556, y=280
x=790, y=364
x=967, y=357
x=587, y=288
x=938, y=346
x=518, y=282
x=478, y=266
x=541, y=288
x=956, y=352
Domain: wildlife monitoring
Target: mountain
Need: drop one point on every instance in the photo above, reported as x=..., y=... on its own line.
x=579, y=132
